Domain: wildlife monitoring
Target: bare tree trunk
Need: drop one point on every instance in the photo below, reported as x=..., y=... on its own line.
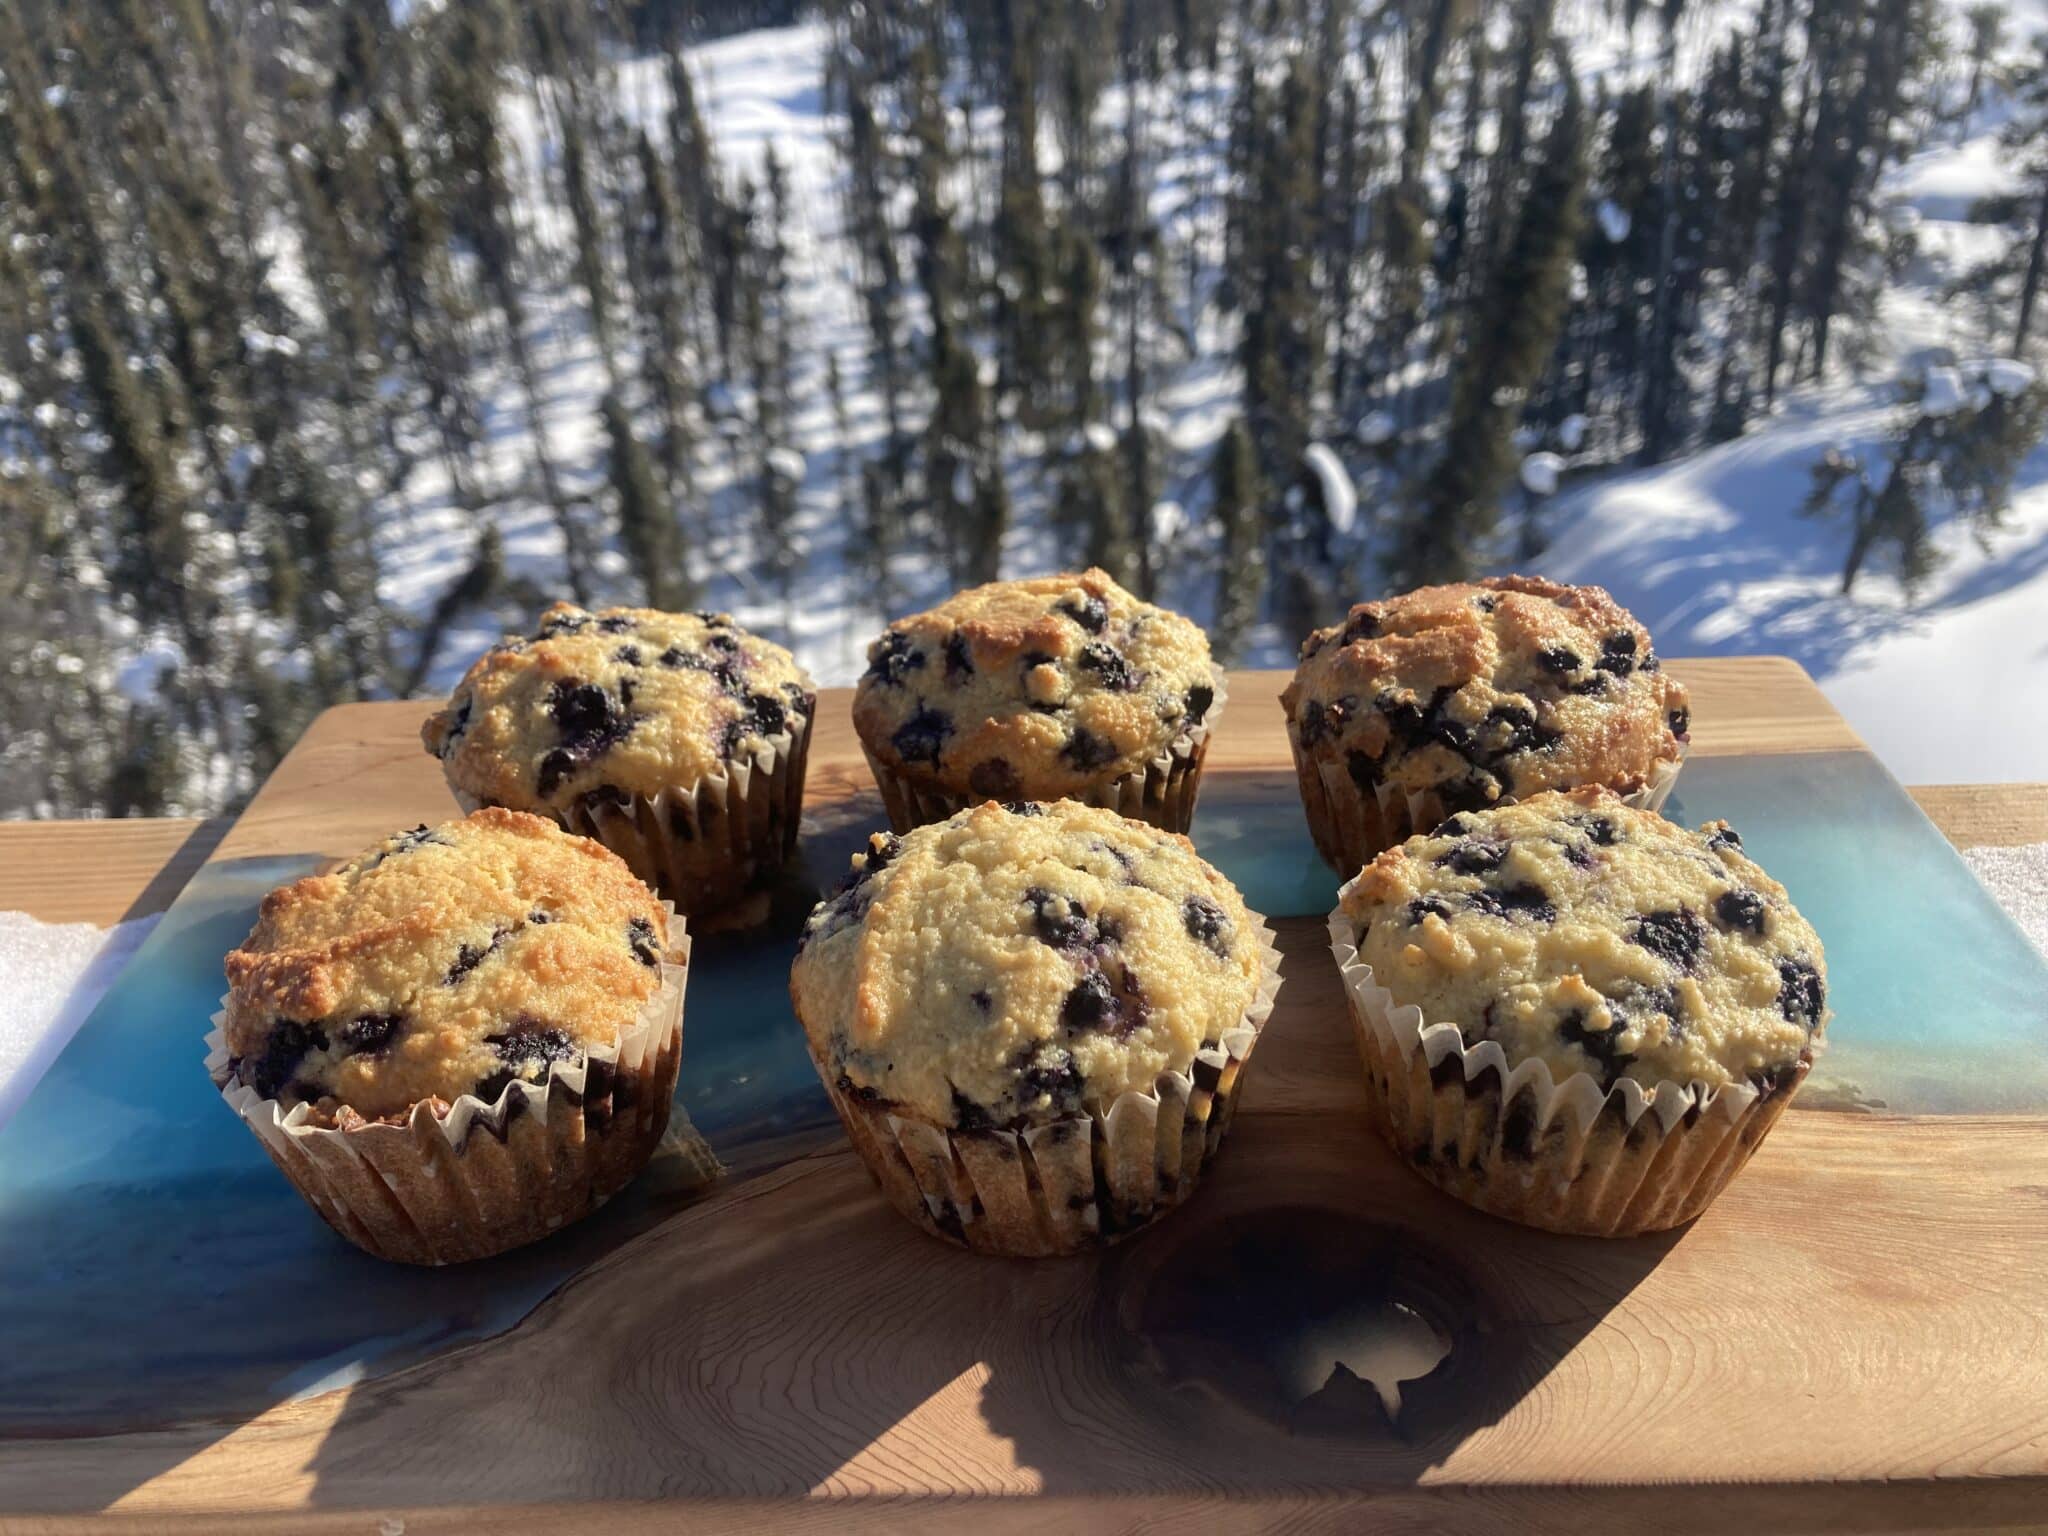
x=2030, y=286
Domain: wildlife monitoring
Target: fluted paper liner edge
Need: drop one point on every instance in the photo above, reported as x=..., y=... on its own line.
x=1078, y=1182
x=484, y=1178
x=1162, y=793
x=1600, y=1162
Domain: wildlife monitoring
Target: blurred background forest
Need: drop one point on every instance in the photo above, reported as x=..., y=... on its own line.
x=337, y=338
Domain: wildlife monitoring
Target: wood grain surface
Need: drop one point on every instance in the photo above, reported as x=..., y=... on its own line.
x=1987, y=815
x=1854, y=1336
x=100, y=871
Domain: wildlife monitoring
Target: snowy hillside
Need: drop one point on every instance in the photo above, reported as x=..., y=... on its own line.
x=1711, y=554
x=1709, y=551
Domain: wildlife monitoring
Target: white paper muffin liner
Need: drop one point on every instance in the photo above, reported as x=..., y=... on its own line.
x=1567, y=1156
x=1078, y=1182
x=483, y=1178
x=1161, y=794
x=713, y=846
x=1351, y=829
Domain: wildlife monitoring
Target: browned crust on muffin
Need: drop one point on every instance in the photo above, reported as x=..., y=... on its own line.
x=1068, y=682
x=495, y=924
x=1428, y=689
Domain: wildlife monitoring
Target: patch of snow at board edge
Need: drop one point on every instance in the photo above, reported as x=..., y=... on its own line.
x=1340, y=497
x=2017, y=879
x=55, y=975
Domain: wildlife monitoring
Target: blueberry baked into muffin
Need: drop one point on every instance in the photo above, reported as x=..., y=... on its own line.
x=678, y=740
x=459, y=1040
x=1032, y=1019
x=1058, y=687
x=1578, y=1014
x=1463, y=697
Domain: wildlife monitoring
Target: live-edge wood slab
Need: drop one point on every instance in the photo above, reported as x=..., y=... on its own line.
x=1855, y=1336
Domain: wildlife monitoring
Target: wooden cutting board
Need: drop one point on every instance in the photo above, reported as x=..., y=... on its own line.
x=1856, y=1334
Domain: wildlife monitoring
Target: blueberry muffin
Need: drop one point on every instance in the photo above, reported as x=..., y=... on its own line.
x=1464, y=697
x=677, y=740
x=1576, y=1013
x=459, y=1040
x=1060, y=687
x=1032, y=1019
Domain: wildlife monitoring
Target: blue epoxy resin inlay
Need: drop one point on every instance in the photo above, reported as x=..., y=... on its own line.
x=157, y=1266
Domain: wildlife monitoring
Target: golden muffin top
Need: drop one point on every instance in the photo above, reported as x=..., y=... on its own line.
x=1488, y=691
x=1599, y=938
x=622, y=700
x=1020, y=964
x=446, y=960
x=1033, y=689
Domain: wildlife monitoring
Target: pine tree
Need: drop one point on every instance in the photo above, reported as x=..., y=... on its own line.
x=958, y=455
x=1024, y=248
x=1241, y=570
x=1988, y=25
x=1519, y=314
x=780, y=357
x=845, y=464
x=1678, y=258
x=647, y=520
x=431, y=314
x=1403, y=213
x=1742, y=114
x=872, y=236
x=659, y=252
x=571, y=127
x=59, y=749
x=1891, y=51
x=988, y=517
x=484, y=213
x=1092, y=496
x=1962, y=456
x=1281, y=340
x=2027, y=135
x=1072, y=326
x=1082, y=40
x=879, y=533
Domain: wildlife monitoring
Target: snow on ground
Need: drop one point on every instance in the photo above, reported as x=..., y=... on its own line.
x=1711, y=554
x=1944, y=183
